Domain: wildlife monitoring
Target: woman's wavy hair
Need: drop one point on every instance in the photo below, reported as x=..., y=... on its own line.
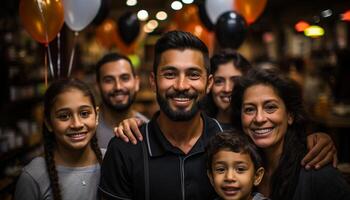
x=55, y=89
x=285, y=177
x=223, y=57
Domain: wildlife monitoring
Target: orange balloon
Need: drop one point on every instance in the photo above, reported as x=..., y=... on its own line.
x=185, y=16
x=199, y=30
x=188, y=20
x=250, y=9
x=42, y=19
x=106, y=33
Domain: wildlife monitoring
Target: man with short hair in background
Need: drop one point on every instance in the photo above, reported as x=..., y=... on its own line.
x=118, y=85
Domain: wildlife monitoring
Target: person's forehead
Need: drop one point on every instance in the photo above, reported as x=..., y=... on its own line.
x=182, y=58
x=121, y=66
x=232, y=156
x=228, y=69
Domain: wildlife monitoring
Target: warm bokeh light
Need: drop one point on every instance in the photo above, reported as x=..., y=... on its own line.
x=301, y=25
x=314, y=31
x=142, y=15
x=327, y=13
x=346, y=16
x=176, y=5
x=152, y=24
x=131, y=2
x=187, y=1
x=161, y=15
x=147, y=29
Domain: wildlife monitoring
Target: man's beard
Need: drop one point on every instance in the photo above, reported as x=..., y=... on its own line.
x=179, y=115
x=119, y=107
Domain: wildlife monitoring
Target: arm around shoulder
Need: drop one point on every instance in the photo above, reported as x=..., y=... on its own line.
x=328, y=183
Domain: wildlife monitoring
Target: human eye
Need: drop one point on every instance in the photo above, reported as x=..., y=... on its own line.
x=248, y=110
x=241, y=169
x=169, y=74
x=271, y=107
x=63, y=116
x=125, y=77
x=108, y=80
x=194, y=75
x=219, y=169
x=218, y=81
x=85, y=113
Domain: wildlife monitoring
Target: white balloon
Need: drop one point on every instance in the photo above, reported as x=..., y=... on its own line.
x=79, y=13
x=215, y=8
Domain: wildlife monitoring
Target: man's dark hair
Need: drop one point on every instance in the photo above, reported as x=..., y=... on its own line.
x=111, y=57
x=179, y=40
x=235, y=141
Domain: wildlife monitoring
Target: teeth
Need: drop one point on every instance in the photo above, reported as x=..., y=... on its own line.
x=181, y=99
x=262, y=131
x=230, y=189
x=75, y=134
x=227, y=99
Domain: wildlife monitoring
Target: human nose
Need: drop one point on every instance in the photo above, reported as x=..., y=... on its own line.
x=181, y=83
x=228, y=86
x=117, y=84
x=260, y=116
x=76, y=122
x=230, y=176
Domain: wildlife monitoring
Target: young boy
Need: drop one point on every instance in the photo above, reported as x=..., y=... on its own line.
x=234, y=166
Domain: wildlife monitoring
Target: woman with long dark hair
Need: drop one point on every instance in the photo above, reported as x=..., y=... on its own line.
x=226, y=66
x=268, y=107
x=70, y=168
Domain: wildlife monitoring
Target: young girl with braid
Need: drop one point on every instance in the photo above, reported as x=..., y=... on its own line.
x=70, y=168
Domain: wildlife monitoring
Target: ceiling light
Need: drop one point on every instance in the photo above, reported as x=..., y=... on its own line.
x=314, y=31
x=326, y=13
x=346, y=16
x=301, y=25
x=147, y=29
x=176, y=5
x=161, y=15
x=131, y=2
x=187, y=1
x=152, y=24
x=142, y=15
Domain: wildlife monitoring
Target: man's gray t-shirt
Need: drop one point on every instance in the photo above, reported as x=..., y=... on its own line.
x=105, y=133
x=76, y=183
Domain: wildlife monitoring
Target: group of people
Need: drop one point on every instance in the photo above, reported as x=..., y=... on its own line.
x=225, y=130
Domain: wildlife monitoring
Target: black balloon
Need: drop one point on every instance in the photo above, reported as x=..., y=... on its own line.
x=128, y=27
x=230, y=30
x=103, y=12
x=203, y=16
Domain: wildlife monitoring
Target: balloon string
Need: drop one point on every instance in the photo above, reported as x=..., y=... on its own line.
x=58, y=55
x=45, y=70
x=50, y=61
x=72, y=53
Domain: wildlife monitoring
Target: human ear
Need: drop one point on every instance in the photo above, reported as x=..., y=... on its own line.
x=152, y=81
x=259, y=174
x=210, y=83
x=290, y=119
x=210, y=176
x=97, y=114
x=48, y=126
x=137, y=83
